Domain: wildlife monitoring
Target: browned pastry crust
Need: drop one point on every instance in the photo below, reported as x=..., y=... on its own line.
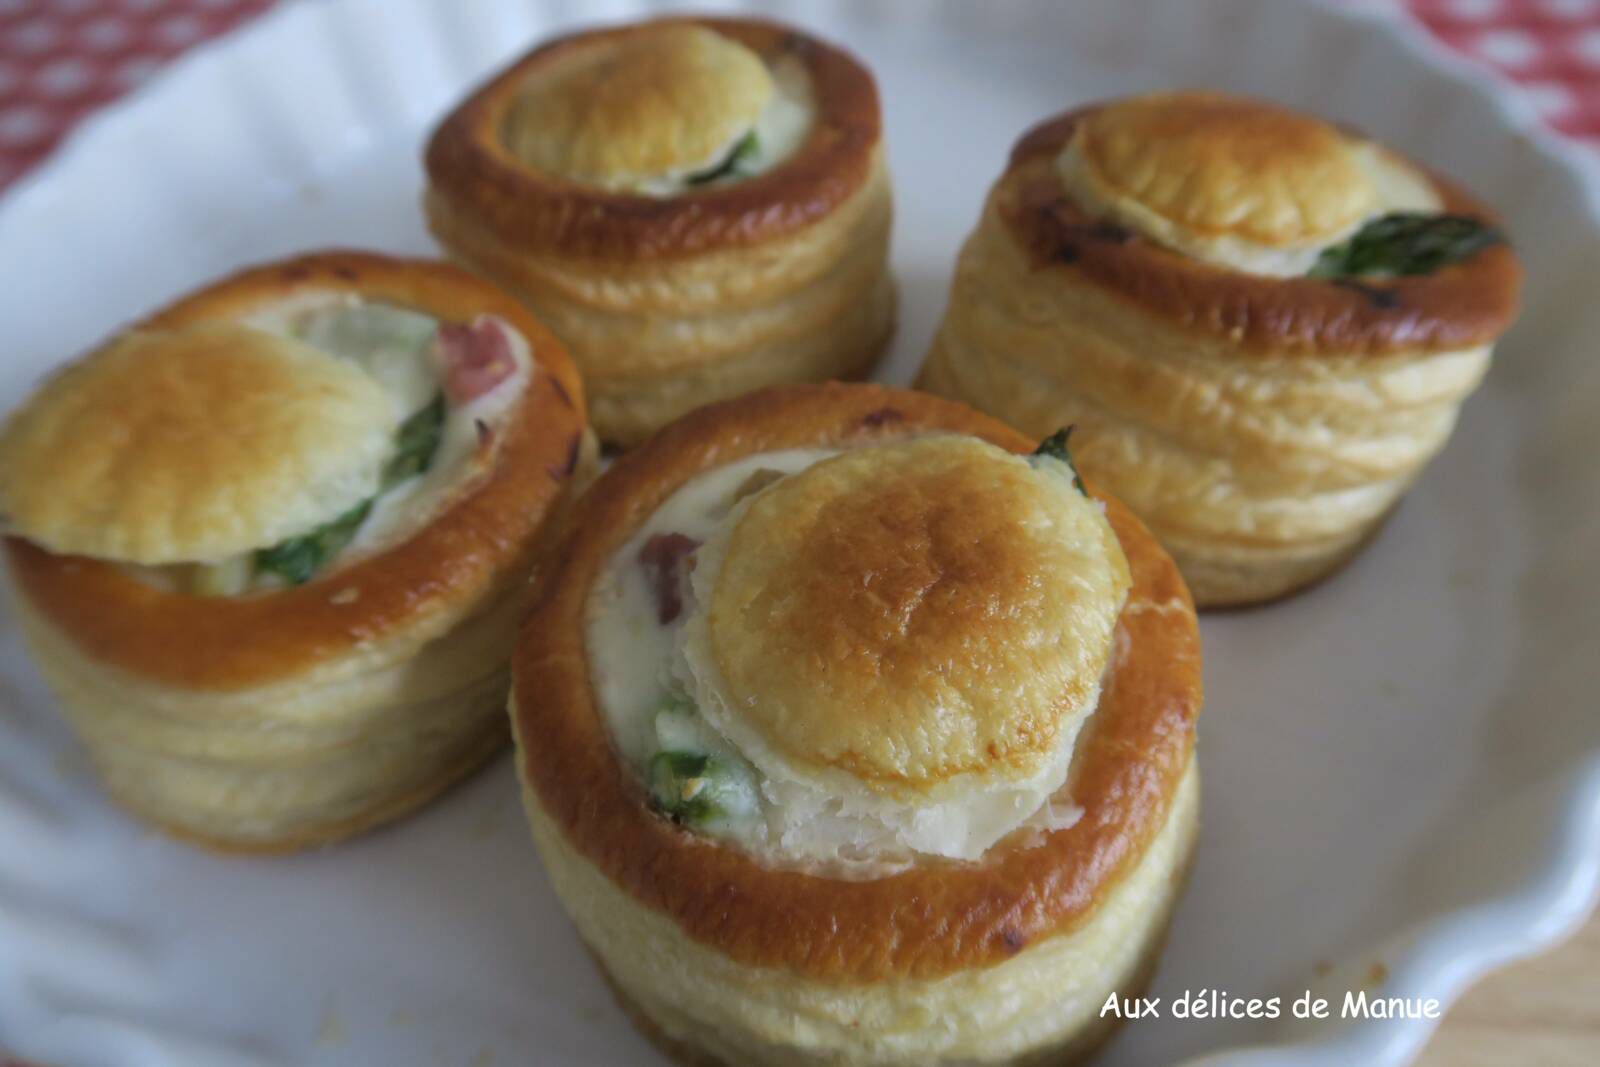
x=1458, y=307
x=476, y=545
x=470, y=167
x=928, y=921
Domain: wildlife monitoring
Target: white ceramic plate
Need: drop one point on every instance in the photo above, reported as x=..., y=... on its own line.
x=1402, y=766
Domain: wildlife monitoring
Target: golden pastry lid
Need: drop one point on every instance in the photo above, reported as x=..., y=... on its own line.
x=1216, y=164
x=915, y=613
x=662, y=99
x=191, y=445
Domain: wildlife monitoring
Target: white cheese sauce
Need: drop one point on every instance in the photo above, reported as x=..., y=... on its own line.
x=409, y=506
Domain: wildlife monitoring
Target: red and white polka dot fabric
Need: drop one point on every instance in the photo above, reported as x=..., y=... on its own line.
x=1550, y=48
x=61, y=59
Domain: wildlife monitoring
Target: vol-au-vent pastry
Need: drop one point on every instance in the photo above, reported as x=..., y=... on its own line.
x=697, y=206
x=855, y=729
x=269, y=545
x=1263, y=325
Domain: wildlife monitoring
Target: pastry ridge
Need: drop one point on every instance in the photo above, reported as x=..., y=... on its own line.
x=476, y=183
x=1469, y=304
x=226, y=643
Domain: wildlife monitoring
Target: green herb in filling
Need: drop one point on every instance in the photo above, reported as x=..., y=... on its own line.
x=416, y=443
x=681, y=786
x=691, y=779
x=1055, y=447
x=299, y=558
x=1406, y=243
x=732, y=165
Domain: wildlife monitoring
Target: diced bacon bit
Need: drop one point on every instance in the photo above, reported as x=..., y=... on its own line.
x=662, y=558
x=474, y=357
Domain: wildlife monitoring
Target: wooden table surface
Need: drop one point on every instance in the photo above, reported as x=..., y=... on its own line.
x=1544, y=1012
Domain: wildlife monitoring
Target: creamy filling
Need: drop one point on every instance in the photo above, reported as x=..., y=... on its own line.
x=1398, y=186
x=631, y=643
x=451, y=407
x=777, y=133
x=641, y=622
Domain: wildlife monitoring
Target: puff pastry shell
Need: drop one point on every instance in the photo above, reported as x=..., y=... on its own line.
x=670, y=301
x=293, y=717
x=724, y=959
x=1261, y=424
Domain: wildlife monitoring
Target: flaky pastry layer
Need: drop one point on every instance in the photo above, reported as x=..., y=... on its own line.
x=295, y=765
